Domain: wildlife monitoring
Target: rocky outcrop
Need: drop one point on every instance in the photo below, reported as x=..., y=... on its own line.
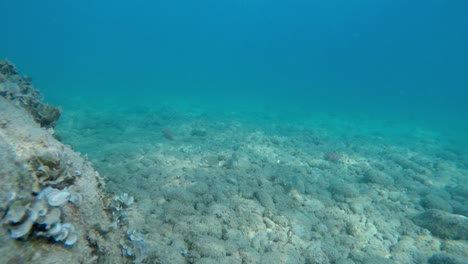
x=52, y=203
x=19, y=90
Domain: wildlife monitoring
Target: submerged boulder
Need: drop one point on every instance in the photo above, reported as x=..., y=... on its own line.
x=444, y=225
x=42, y=220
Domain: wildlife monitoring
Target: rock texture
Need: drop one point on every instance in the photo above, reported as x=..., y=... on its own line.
x=20, y=91
x=444, y=225
x=31, y=160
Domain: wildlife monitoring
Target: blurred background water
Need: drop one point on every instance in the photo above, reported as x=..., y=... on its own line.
x=401, y=59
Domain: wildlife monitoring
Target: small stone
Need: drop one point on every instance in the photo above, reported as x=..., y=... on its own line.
x=198, y=188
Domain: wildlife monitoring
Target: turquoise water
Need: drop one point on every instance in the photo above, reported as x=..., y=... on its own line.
x=370, y=54
x=303, y=98
x=380, y=57
x=390, y=57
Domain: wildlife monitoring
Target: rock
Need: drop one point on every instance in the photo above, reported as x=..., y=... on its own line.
x=198, y=188
x=443, y=224
x=198, y=133
x=456, y=247
x=377, y=177
x=314, y=254
x=30, y=156
x=432, y=201
x=19, y=89
x=208, y=246
x=445, y=259
x=265, y=200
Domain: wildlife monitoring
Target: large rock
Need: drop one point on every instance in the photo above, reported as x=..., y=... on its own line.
x=32, y=162
x=444, y=225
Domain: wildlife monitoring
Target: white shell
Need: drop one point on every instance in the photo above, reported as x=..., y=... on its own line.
x=68, y=226
x=61, y=235
x=55, y=230
x=45, y=192
x=33, y=215
x=22, y=229
x=57, y=197
x=71, y=239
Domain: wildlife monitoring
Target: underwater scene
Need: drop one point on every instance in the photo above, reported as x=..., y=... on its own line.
x=234, y=131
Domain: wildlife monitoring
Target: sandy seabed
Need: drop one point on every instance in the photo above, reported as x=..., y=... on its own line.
x=264, y=187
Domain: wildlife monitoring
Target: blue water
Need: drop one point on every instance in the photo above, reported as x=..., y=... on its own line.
x=296, y=131
x=408, y=59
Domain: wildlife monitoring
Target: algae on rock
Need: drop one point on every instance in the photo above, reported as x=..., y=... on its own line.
x=42, y=198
